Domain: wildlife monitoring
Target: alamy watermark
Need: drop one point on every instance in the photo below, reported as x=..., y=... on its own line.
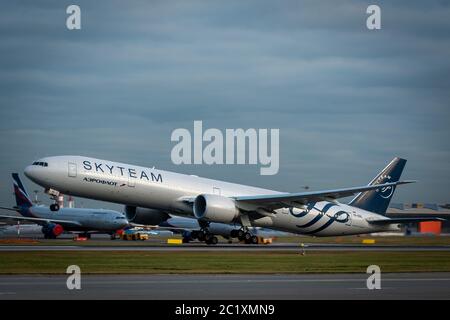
x=373, y=21
x=374, y=280
x=74, y=280
x=236, y=146
x=73, y=21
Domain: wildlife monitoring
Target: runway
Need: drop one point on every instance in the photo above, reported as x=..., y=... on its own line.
x=224, y=247
x=240, y=287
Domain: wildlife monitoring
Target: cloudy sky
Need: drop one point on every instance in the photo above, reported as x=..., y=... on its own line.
x=346, y=99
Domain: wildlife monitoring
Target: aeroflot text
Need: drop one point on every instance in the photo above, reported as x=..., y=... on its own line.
x=122, y=171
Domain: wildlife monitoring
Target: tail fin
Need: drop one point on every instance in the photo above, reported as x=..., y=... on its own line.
x=22, y=198
x=378, y=200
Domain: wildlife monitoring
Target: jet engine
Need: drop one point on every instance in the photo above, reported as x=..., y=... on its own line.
x=145, y=216
x=215, y=208
x=52, y=230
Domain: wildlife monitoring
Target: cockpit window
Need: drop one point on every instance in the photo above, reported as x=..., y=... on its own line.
x=41, y=164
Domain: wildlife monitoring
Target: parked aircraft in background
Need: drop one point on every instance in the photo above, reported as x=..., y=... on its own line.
x=67, y=219
x=151, y=194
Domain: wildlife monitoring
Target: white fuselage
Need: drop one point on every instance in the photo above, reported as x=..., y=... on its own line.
x=166, y=191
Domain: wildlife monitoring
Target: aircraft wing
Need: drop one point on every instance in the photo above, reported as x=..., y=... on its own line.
x=282, y=200
x=403, y=220
x=66, y=222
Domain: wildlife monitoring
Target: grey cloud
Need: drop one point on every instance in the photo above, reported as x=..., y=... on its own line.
x=345, y=99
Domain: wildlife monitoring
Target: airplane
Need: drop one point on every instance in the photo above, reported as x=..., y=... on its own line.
x=150, y=193
x=66, y=219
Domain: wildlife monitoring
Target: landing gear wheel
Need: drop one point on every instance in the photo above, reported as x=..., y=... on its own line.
x=209, y=237
x=241, y=234
x=213, y=240
x=201, y=236
x=247, y=236
x=254, y=240
x=194, y=234
x=54, y=207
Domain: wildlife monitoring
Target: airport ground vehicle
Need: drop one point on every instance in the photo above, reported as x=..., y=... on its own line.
x=132, y=235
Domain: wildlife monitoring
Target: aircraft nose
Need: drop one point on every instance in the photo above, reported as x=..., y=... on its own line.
x=34, y=173
x=124, y=223
x=29, y=172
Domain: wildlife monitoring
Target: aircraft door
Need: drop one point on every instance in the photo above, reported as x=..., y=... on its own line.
x=72, y=170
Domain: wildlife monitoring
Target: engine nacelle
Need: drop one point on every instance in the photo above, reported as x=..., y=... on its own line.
x=145, y=216
x=215, y=208
x=52, y=230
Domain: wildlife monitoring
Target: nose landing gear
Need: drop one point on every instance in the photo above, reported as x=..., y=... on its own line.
x=54, y=196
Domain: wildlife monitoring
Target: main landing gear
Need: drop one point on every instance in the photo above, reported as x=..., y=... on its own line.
x=203, y=235
x=244, y=235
